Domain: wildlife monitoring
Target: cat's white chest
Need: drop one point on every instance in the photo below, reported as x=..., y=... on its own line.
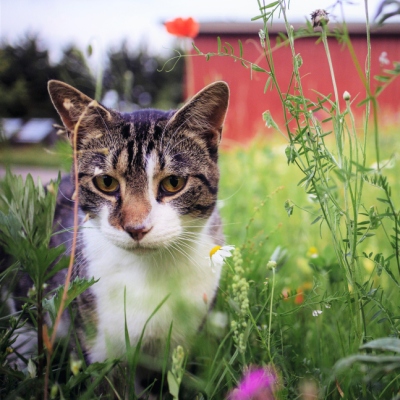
x=131, y=287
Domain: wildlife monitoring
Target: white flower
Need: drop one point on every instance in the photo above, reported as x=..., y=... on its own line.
x=315, y=313
x=31, y=368
x=383, y=58
x=271, y=264
x=218, y=255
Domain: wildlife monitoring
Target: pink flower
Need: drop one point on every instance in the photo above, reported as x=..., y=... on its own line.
x=257, y=384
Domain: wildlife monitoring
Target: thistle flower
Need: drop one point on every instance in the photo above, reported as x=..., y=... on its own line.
x=257, y=384
x=218, y=255
x=319, y=18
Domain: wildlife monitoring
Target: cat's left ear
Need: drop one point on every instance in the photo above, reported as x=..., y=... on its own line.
x=204, y=114
x=78, y=111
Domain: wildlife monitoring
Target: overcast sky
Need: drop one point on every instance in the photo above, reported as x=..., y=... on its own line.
x=103, y=23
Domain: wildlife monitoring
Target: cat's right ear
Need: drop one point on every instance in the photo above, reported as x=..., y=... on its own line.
x=78, y=112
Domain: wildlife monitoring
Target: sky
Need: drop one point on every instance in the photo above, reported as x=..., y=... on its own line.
x=104, y=23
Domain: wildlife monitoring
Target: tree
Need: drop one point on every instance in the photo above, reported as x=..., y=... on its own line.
x=134, y=76
x=24, y=71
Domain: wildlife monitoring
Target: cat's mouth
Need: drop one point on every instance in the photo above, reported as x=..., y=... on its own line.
x=144, y=250
x=140, y=248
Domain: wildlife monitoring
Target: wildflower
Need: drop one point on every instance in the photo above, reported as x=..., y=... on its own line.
x=183, y=27
x=257, y=384
x=175, y=375
x=315, y=313
x=54, y=391
x=346, y=96
x=218, y=320
x=261, y=35
x=285, y=293
x=319, y=18
x=218, y=255
x=271, y=264
x=312, y=252
x=299, y=299
x=240, y=288
x=31, y=368
x=383, y=58
x=76, y=365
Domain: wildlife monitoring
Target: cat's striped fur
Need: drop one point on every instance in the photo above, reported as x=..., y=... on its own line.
x=151, y=235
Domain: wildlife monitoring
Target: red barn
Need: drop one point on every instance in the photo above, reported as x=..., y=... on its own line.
x=248, y=100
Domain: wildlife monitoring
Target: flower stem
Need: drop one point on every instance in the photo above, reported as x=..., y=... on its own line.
x=270, y=312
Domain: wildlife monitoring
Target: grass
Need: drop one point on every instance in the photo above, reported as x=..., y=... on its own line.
x=311, y=291
x=35, y=155
x=256, y=181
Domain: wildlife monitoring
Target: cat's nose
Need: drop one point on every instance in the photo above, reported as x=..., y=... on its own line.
x=137, y=232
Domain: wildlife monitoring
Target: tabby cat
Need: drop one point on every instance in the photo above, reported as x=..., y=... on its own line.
x=148, y=184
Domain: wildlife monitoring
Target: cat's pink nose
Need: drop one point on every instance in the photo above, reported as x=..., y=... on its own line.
x=137, y=232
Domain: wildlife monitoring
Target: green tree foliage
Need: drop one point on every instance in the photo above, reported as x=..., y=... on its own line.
x=25, y=69
x=135, y=77
x=73, y=69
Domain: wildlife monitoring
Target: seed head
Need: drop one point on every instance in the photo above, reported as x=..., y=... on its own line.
x=271, y=264
x=319, y=18
x=346, y=96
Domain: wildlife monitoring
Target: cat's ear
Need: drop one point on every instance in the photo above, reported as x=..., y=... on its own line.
x=204, y=114
x=78, y=111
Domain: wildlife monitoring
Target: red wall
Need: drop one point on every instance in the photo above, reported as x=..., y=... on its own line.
x=248, y=101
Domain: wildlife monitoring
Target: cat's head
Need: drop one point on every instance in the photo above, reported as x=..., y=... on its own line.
x=147, y=177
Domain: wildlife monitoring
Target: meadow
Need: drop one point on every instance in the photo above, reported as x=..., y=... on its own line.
x=310, y=294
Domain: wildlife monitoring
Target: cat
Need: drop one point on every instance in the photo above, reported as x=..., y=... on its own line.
x=148, y=184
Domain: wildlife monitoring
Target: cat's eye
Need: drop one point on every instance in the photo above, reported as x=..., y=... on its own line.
x=106, y=183
x=172, y=184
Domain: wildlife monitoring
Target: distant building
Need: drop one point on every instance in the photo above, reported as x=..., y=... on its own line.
x=9, y=127
x=35, y=130
x=248, y=100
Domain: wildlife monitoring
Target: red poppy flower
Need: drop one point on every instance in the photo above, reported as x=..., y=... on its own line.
x=183, y=27
x=299, y=299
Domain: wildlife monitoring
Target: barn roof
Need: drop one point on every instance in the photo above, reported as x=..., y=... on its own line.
x=240, y=28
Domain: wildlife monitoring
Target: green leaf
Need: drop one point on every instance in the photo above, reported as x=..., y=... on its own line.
x=173, y=385
x=270, y=5
x=240, y=48
x=219, y=44
x=269, y=122
x=364, y=101
x=76, y=287
x=317, y=219
x=231, y=48
x=290, y=154
x=258, y=17
x=255, y=67
x=269, y=80
x=198, y=51
x=383, y=344
x=289, y=207
x=381, y=78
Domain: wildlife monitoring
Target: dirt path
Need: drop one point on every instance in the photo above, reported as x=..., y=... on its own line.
x=44, y=174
